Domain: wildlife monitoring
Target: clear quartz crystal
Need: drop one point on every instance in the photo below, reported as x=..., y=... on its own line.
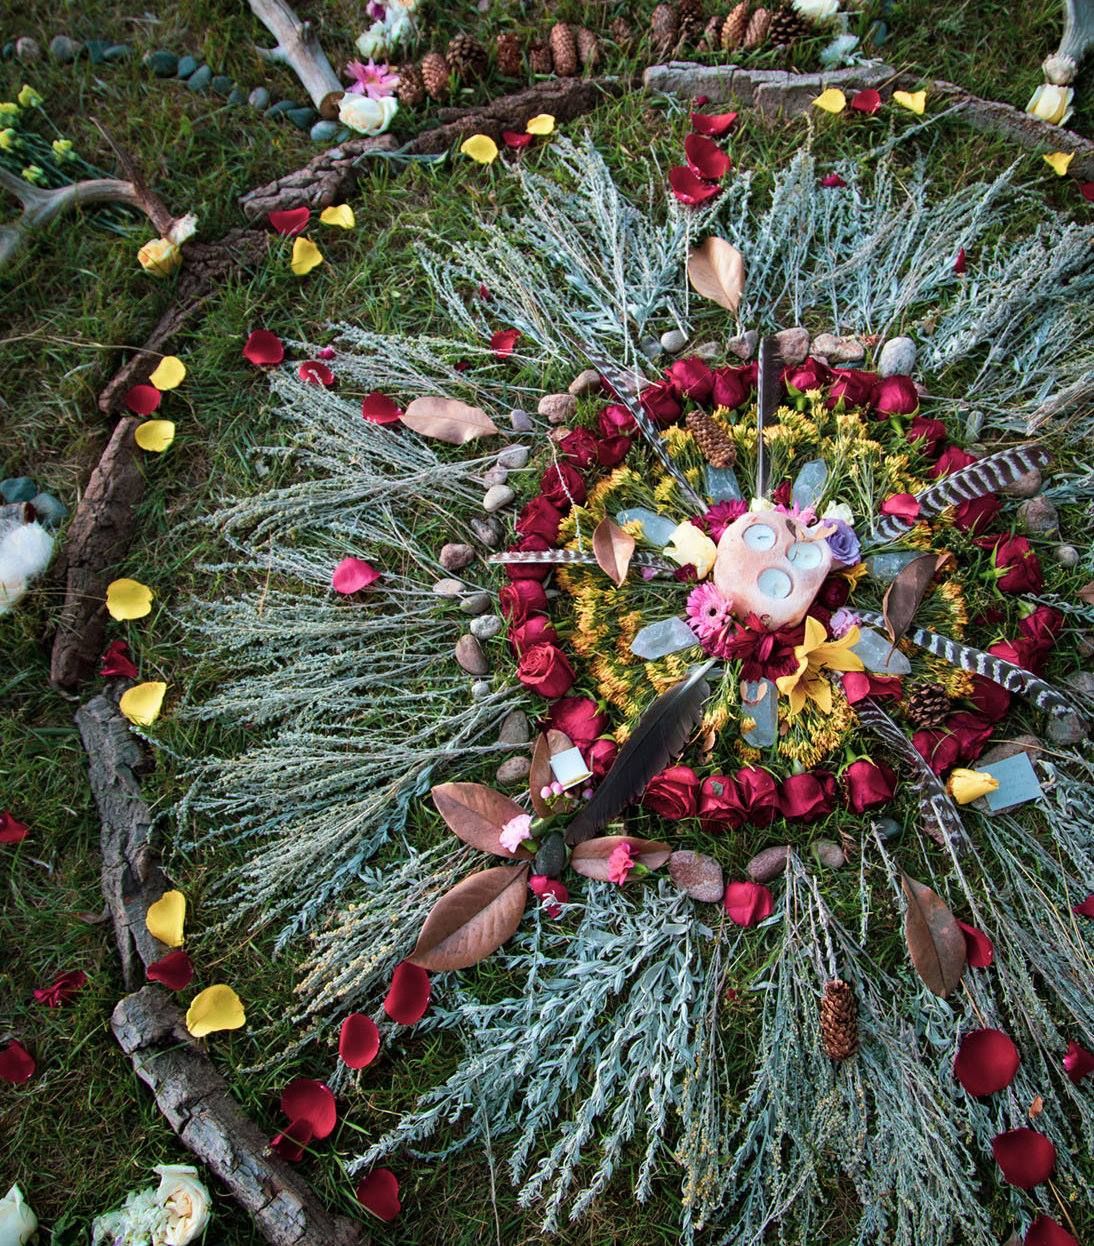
x=721, y=484
x=886, y=567
x=760, y=702
x=878, y=654
x=808, y=486
x=656, y=529
x=658, y=640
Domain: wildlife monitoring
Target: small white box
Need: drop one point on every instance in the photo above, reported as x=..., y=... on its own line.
x=569, y=768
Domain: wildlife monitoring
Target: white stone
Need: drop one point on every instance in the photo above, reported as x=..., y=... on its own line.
x=674, y=341
x=513, y=457
x=496, y=497
x=897, y=357
x=485, y=626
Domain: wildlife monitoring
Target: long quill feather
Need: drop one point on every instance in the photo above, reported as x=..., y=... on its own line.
x=576, y=557
x=768, y=392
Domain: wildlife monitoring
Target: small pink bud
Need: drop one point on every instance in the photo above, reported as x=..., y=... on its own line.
x=545, y=792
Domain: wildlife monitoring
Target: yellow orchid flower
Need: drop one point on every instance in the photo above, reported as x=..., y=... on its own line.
x=966, y=786
x=690, y=545
x=816, y=654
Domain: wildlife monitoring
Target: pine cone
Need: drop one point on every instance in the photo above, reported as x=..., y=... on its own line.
x=691, y=20
x=621, y=32
x=664, y=29
x=734, y=27
x=712, y=35
x=435, y=75
x=588, y=48
x=563, y=44
x=787, y=24
x=927, y=706
x=839, y=1020
x=466, y=57
x=758, y=25
x=539, y=58
x=509, y=55
x=411, y=90
x=717, y=448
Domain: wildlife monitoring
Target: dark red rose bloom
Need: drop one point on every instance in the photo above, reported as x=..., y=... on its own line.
x=673, y=793
x=546, y=670
x=539, y=518
x=538, y=630
x=579, y=718
x=615, y=420
x=971, y=732
x=834, y=592
x=952, y=459
x=685, y=574
x=579, y=447
x=989, y=699
x=599, y=756
x=716, y=520
x=732, y=386
x=812, y=374
x=860, y=684
x=563, y=485
x=691, y=378
x=533, y=544
x=930, y=434
x=853, y=385
x=521, y=598
x=781, y=495
x=611, y=451
x=807, y=797
x=896, y=395
x=762, y=654
x=720, y=804
x=1020, y=567
x=659, y=403
x=976, y=514
x=759, y=795
x=868, y=785
x=939, y=749
x=1021, y=651
x=1042, y=626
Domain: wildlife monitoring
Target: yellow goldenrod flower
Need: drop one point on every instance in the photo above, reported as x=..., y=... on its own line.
x=28, y=97
x=62, y=148
x=8, y=139
x=34, y=174
x=9, y=110
x=816, y=654
x=966, y=786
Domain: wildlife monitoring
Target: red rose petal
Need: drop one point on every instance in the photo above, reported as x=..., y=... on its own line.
x=748, y=903
x=1086, y=189
x=986, y=1061
x=484, y=292
x=832, y=181
x=960, y=262
x=1044, y=1231
x=291, y=221
x=353, y=574
x=705, y=158
x=378, y=408
x=312, y=372
x=461, y=365
x=61, y=989
x=867, y=101
x=408, y=996
x=291, y=1141
x=12, y=831
x=16, y=1063
x=379, y=1193
x=979, y=949
x=1078, y=1062
x=116, y=663
x=1086, y=907
x=903, y=505
x=690, y=189
x=175, y=971
x=503, y=341
x=142, y=399
x=263, y=348
x=714, y=125
x=306, y=1099
x=1025, y=1157
x=516, y=138
x=359, y=1041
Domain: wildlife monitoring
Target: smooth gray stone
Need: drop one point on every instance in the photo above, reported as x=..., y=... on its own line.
x=1038, y=516
x=515, y=728
x=878, y=655
x=722, y=484
x=448, y=588
x=886, y=567
x=236, y=97
x=480, y=689
x=513, y=457
x=117, y=52
x=496, y=497
x=520, y=420
x=51, y=512
x=1066, y=555
x=656, y=529
x=302, y=118
x=828, y=853
x=28, y=50
x=551, y=857
x=455, y=555
x=96, y=50
x=651, y=347
x=259, y=98
x=199, y=80
x=485, y=626
x=282, y=106
x=323, y=131
x=18, y=489
x=222, y=84
x=888, y=828
x=187, y=65
x=1066, y=728
x=763, y=709
x=470, y=656
x=513, y=770
x=698, y=875
x=658, y=640
x=769, y=864
x=8, y=50
x=489, y=531
x=809, y=484
x=496, y=475
x=674, y=341
x=897, y=357
x=476, y=603
x=65, y=50
x=162, y=63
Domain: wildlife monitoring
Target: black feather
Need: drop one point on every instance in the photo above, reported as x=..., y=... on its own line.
x=768, y=393
x=661, y=734
x=583, y=558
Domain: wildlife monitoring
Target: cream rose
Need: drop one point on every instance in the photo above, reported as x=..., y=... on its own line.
x=1051, y=103
x=186, y=1202
x=18, y=1223
x=160, y=257
x=367, y=116
x=817, y=10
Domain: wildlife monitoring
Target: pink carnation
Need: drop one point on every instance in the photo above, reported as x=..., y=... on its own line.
x=515, y=832
x=621, y=863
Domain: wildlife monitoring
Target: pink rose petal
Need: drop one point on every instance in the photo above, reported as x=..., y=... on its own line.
x=408, y=996
x=689, y=188
x=291, y=1142
x=979, y=949
x=705, y=158
x=174, y=971
x=291, y=221
x=312, y=372
x=713, y=125
x=748, y=903
x=142, y=399
x=986, y=1061
x=1025, y=1157
x=378, y=408
x=16, y=1063
x=503, y=341
x=12, y=831
x=353, y=574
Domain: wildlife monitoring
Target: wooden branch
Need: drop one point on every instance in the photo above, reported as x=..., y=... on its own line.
x=298, y=47
x=41, y=205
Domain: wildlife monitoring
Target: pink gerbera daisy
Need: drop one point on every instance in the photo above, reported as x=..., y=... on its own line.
x=708, y=610
x=372, y=80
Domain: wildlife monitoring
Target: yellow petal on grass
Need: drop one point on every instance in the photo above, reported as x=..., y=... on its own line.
x=831, y=100
x=342, y=216
x=544, y=123
x=1058, y=161
x=913, y=101
x=305, y=256
x=128, y=599
x=480, y=147
x=166, y=918
x=142, y=703
x=155, y=435
x=169, y=374
x=216, y=1008
x=966, y=786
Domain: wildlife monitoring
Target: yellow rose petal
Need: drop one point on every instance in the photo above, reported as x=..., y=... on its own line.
x=966, y=786
x=128, y=599
x=141, y=704
x=480, y=147
x=166, y=918
x=169, y=373
x=544, y=123
x=913, y=101
x=305, y=256
x=215, y=1008
x=1059, y=161
x=832, y=100
x=342, y=216
x=155, y=435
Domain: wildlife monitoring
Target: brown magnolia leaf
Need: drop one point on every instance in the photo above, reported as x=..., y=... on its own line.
x=1086, y=593
x=473, y=919
x=476, y=813
x=905, y=595
x=935, y=942
x=548, y=744
x=613, y=549
x=590, y=857
x=447, y=419
x=716, y=270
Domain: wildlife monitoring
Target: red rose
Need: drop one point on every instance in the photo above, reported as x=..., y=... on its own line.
x=747, y=903
x=1021, y=651
x=540, y=518
x=599, y=756
x=521, y=598
x=896, y=395
x=732, y=386
x=868, y=785
x=545, y=669
x=812, y=374
x=538, y=630
x=834, y=592
x=672, y=793
x=1018, y=566
x=720, y=804
x=781, y=495
x=807, y=797
x=611, y=451
x=659, y=402
x=989, y=699
x=930, y=434
x=971, y=732
x=952, y=459
x=578, y=718
x=854, y=386
x=938, y=749
x=860, y=684
x=534, y=544
x=563, y=485
x=759, y=795
x=614, y=420
x=691, y=378
x=1042, y=626
x=976, y=514
x=579, y=446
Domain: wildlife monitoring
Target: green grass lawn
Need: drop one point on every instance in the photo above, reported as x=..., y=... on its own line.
x=84, y=1131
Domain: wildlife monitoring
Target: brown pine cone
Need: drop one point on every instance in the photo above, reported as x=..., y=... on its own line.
x=690, y=13
x=510, y=60
x=839, y=1020
x=435, y=75
x=787, y=25
x=563, y=44
x=466, y=57
x=588, y=48
x=927, y=706
x=664, y=29
x=717, y=448
x=539, y=58
x=712, y=35
x=411, y=89
x=621, y=32
x=758, y=25
x=735, y=26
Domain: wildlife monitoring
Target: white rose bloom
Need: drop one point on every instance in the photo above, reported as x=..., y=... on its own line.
x=839, y=510
x=18, y=1223
x=186, y=1202
x=183, y=229
x=1051, y=103
x=817, y=10
x=761, y=504
x=367, y=116
x=372, y=43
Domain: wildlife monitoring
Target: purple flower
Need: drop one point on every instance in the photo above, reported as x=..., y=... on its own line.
x=842, y=621
x=372, y=80
x=843, y=543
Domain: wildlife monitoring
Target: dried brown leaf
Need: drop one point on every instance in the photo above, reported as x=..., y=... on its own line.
x=548, y=744
x=716, y=270
x=1086, y=593
x=935, y=942
x=613, y=549
x=447, y=419
x=472, y=920
x=906, y=593
x=476, y=813
x=590, y=857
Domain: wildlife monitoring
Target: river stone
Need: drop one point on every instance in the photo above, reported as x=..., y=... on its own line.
x=674, y=341
x=489, y=531
x=117, y=52
x=448, y=588
x=558, y=407
x=513, y=770
x=513, y=457
x=199, y=80
x=259, y=98
x=698, y=875
x=744, y=347
x=470, y=656
x=1066, y=555
x=51, y=512
x=768, y=864
x=1026, y=486
x=280, y=107
x=222, y=84
x=162, y=63
x=18, y=489
x=496, y=497
x=888, y=828
x=8, y=50
x=323, y=131
x=64, y=49
x=587, y=382
x=302, y=117
x=480, y=689
x=186, y=66
x=1038, y=516
x=96, y=50
x=651, y=347
x=520, y=421
x=456, y=556
x=792, y=345
x=551, y=857
x=496, y=475
x=515, y=728
x=485, y=626
x=878, y=655
x=476, y=603
x=27, y=50
x=828, y=853
x=837, y=349
x=897, y=357
x=1066, y=728
x=658, y=640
